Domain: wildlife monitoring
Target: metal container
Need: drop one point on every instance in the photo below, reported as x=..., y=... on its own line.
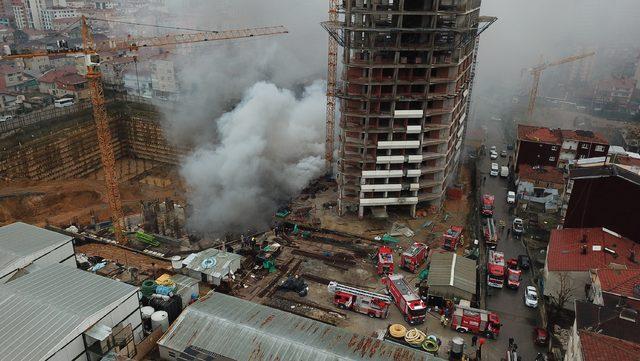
x=176, y=262
x=160, y=319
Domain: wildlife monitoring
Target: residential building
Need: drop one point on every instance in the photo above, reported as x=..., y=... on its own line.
x=63, y=82
x=631, y=138
x=222, y=265
x=26, y=248
x=539, y=196
x=65, y=23
x=163, y=79
x=604, y=332
x=138, y=81
x=537, y=146
x=38, y=64
x=62, y=313
x=615, y=283
x=404, y=92
x=614, y=94
x=539, y=181
x=39, y=14
x=579, y=144
x=451, y=277
x=234, y=329
x=573, y=253
x=540, y=146
x=14, y=79
x=603, y=194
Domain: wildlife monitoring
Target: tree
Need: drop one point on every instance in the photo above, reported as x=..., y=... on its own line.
x=563, y=293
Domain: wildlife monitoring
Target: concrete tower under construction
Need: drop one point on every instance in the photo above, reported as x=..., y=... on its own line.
x=408, y=67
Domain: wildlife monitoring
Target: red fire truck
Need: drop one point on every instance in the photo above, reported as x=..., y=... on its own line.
x=513, y=274
x=413, y=257
x=452, y=238
x=468, y=319
x=354, y=299
x=495, y=269
x=487, y=204
x=408, y=302
x=385, y=260
x=490, y=234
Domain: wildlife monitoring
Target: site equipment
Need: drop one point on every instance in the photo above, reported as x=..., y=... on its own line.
x=91, y=50
x=412, y=307
x=413, y=257
x=536, y=72
x=354, y=299
x=487, y=204
x=452, y=238
x=295, y=284
x=495, y=269
x=490, y=234
x=468, y=319
x=513, y=274
x=384, y=260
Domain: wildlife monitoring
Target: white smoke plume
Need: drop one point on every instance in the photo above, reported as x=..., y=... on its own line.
x=253, y=110
x=270, y=147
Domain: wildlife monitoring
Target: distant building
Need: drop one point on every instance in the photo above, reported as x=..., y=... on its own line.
x=39, y=14
x=603, y=195
x=163, y=79
x=540, y=146
x=61, y=313
x=573, y=253
x=614, y=94
x=228, y=328
x=25, y=248
x=64, y=82
x=14, y=79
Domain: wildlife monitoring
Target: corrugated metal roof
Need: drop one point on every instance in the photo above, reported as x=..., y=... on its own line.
x=21, y=244
x=242, y=330
x=443, y=272
x=42, y=311
x=223, y=261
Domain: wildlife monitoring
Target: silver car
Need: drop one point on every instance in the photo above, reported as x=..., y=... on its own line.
x=531, y=297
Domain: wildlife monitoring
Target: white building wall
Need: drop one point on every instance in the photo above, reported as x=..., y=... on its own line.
x=71, y=351
x=57, y=256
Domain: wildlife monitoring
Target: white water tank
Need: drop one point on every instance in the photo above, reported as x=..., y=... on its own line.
x=146, y=312
x=160, y=319
x=176, y=262
x=457, y=346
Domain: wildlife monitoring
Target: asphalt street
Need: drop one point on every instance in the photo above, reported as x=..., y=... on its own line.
x=518, y=320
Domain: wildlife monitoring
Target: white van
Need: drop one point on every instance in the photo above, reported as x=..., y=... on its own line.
x=504, y=172
x=494, y=170
x=63, y=102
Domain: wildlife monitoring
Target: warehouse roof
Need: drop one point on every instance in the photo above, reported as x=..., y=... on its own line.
x=448, y=269
x=43, y=311
x=21, y=244
x=241, y=330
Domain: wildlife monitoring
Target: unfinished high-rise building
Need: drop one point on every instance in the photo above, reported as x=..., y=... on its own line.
x=408, y=67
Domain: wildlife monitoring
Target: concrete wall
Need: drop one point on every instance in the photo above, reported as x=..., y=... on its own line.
x=577, y=281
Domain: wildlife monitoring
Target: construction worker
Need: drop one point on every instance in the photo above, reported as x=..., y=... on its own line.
x=443, y=320
x=474, y=340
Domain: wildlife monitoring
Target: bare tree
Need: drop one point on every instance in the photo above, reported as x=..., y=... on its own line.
x=563, y=293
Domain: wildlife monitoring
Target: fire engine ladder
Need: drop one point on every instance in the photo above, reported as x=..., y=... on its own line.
x=335, y=287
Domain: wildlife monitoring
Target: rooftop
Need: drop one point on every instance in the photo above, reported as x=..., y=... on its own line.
x=584, y=136
x=8, y=69
x=610, y=170
x=71, y=79
x=21, y=244
x=541, y=174
x=597, y=347
x=52, y=75
x=565, y=250
x=449, y=269
x=618, y=322
x=43, y=311
x=620, y=282
x=222, y=262
x=241, y=330
x=539, y=134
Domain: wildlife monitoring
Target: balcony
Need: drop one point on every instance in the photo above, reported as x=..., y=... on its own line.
x=399, y=144
x=388, y=201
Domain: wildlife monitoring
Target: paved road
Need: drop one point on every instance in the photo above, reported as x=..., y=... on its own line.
x=518, y=320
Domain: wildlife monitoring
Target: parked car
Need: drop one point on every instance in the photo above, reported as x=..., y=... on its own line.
x=518, y=226
x=531, y=297
x=5, y=118
x=504, y=171
x=511, y=197
x=509, y=146
x=493, y=148
x=493, y=154
x=503, y=154
x=524, y=262
x=494, y=170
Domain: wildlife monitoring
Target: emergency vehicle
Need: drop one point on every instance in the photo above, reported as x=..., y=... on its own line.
x=413, y=257
x=513, y=274
x=408, y=302
x=452, y=238
x=468, y=319
x=490, y=234
x=495, y=269
x=487, y=204
x=384, y=260
x=354, y=299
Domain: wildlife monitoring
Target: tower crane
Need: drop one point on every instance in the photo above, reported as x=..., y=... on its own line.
x=536, y=72
x=90, y=50
x=331, y=87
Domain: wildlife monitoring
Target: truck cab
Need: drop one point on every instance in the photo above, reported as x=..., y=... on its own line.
x=487, y=204
x=413, y=257
x=452, y=238
x=384, y=260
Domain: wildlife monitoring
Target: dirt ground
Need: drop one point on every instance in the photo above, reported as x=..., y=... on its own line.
x=131, y=259
x=62, y=202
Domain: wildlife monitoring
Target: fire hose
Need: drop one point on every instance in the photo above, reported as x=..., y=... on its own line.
x=415, y=337
x=397, y=330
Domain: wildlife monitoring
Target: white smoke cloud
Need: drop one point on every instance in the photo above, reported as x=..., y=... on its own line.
x=270, y=148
